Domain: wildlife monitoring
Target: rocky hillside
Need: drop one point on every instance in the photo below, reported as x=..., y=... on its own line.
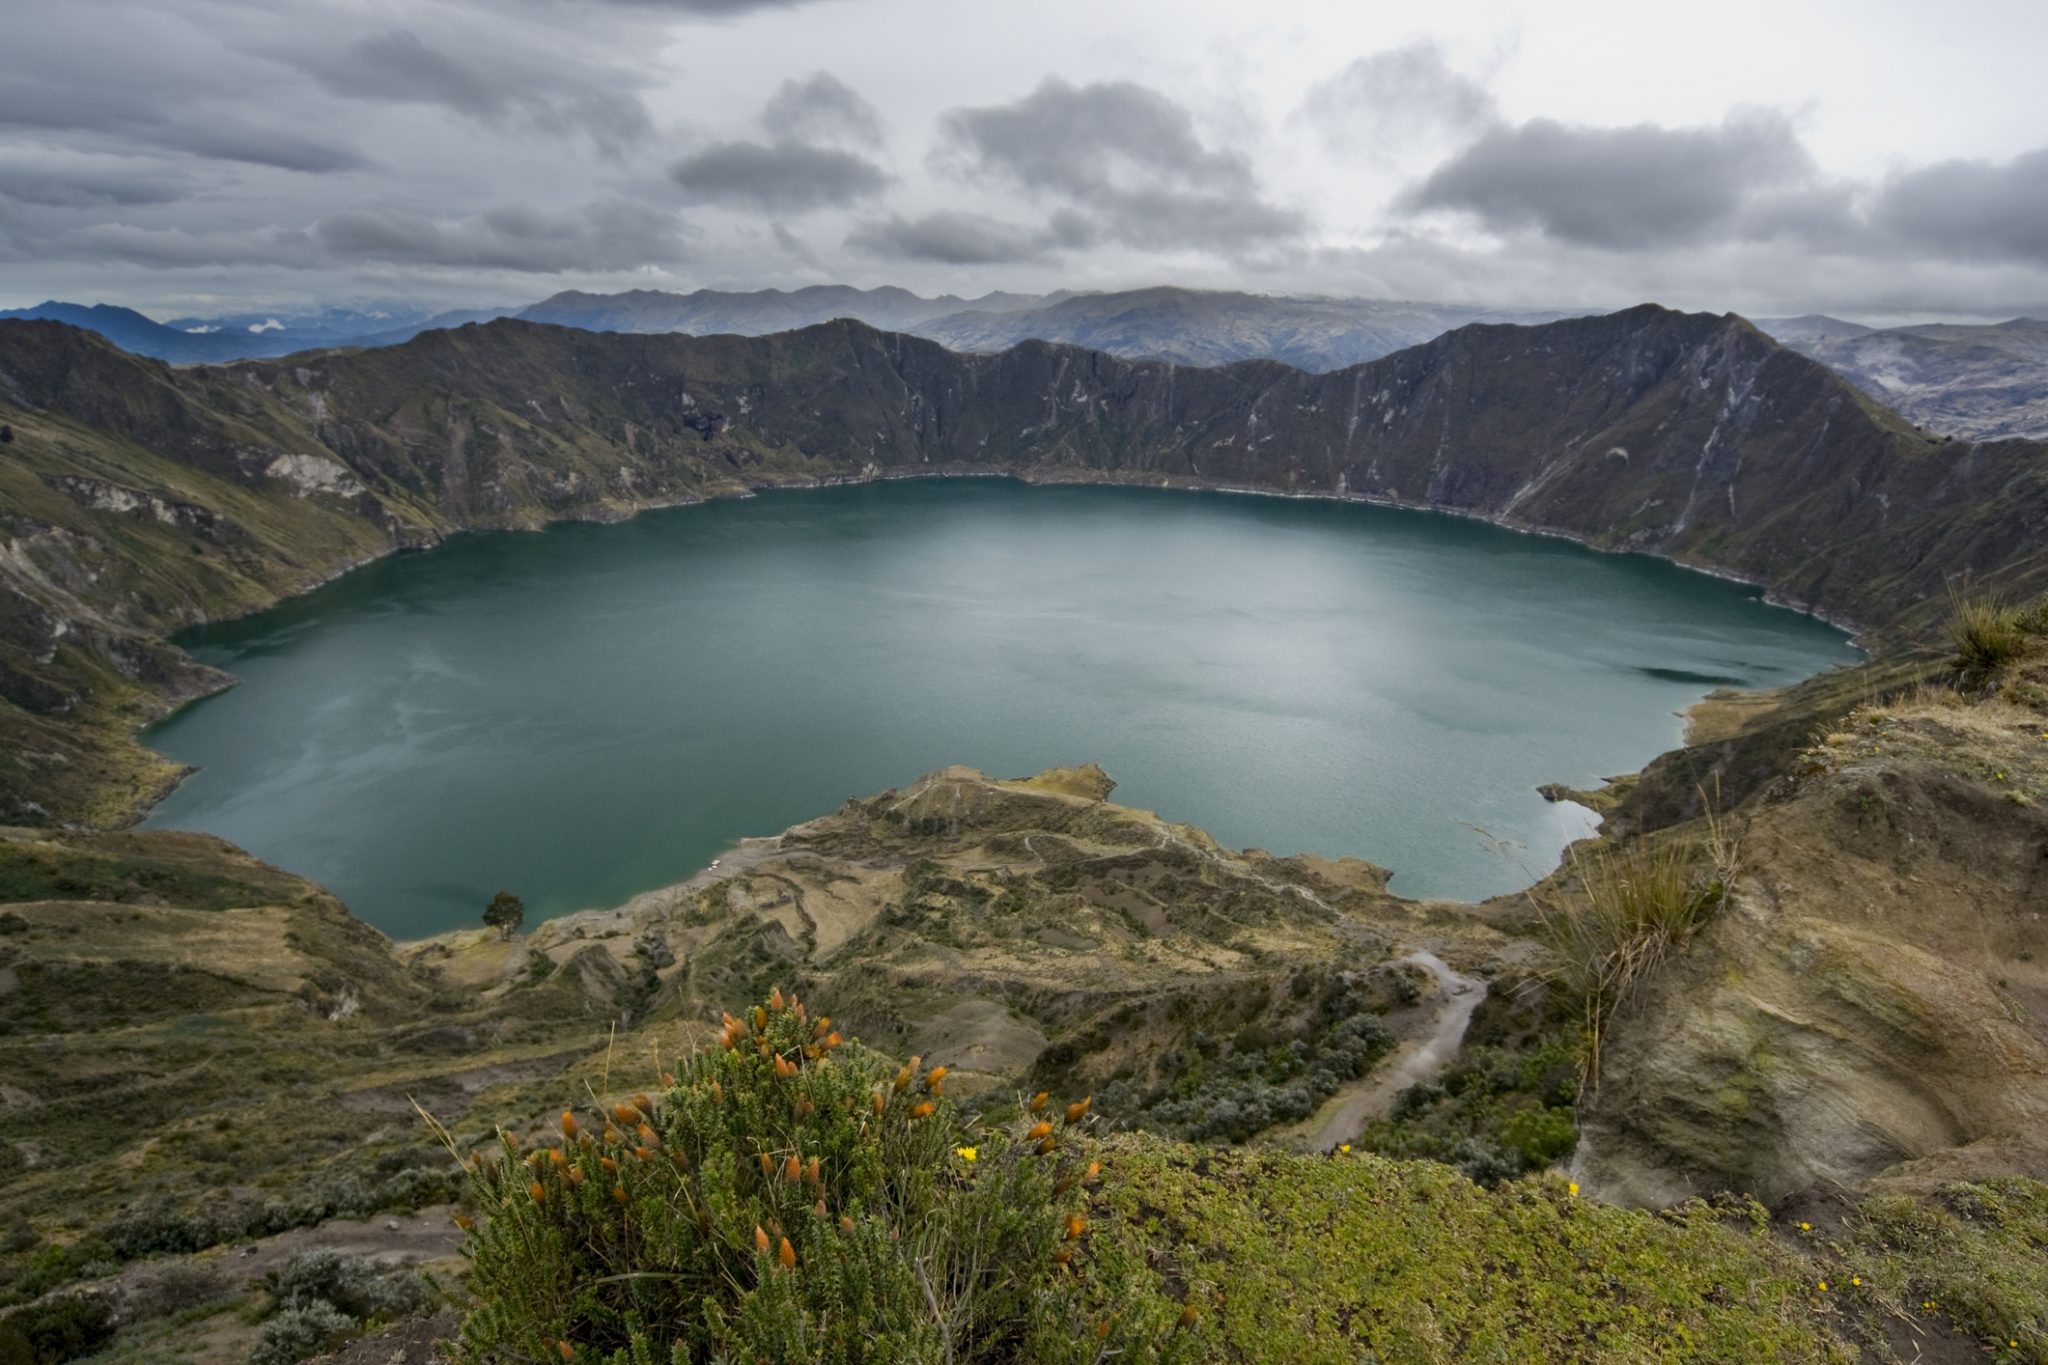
x=1977, y=383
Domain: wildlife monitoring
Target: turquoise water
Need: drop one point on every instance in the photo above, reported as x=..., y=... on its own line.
x=584, y=713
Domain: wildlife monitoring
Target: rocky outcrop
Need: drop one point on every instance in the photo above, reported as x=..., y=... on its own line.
x=1873, y=999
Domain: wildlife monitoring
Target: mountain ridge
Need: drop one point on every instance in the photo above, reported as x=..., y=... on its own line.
x=144, y=497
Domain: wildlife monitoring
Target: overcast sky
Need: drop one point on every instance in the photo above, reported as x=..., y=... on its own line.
x=1868, y=158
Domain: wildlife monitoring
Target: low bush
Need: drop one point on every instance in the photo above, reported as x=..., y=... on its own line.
x=1237, y=1093
x=1498, y=1113
x=69, y=1327
x=297, y=1334
x=174, y=1288
x=394, y=1181
x=790, y=1198
x=320, y=1298
x=350, y=1283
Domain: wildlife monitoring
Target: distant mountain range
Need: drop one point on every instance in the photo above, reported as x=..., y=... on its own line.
x=1186, y=326
x=247, y=336
x=758, y=312
x=1980, y=382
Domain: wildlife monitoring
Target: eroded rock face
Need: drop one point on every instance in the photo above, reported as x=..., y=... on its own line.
x=1873, y=1001
x=314, y=474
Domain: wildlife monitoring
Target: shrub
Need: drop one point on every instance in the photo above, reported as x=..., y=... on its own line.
x=173, y=1288
x=63, y=1328
x=1248, y=1091
x=301, y=1333
x=1497, y=1113
x=349, y=1283
x=322, y=1297
x=792, y=1199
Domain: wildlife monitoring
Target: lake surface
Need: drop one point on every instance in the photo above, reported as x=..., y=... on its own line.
x=584, y=713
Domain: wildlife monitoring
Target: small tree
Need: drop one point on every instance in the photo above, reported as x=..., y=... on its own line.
x=505, y=913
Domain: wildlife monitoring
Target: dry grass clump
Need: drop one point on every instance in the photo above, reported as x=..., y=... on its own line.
x=1987, y=634
x=1635, y=905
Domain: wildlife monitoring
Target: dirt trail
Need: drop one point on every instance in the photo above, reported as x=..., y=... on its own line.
x=1415, y=1060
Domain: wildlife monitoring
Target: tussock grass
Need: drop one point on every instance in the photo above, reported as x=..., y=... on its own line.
x=1635, y=905
x=1987, y=634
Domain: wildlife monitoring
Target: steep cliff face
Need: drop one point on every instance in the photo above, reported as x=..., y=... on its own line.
x=138, y=498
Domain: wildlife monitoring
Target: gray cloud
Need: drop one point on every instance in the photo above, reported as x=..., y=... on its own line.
x=951, y=237
x=611, y=234
x=795, y=246
x=1125, y=156
x=503, y=90
x=1379, y=104
x=126, y=118
x=607, y=235
x=1970, y=210
x=821, y=108
x=1625, y=188
x=778, y=177
x=90, y=182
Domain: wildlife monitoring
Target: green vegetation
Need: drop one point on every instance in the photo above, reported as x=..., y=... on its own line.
x=68, y=1327
x=1496, y=1113
x=182, y=870
x=1234, y=1086
x=788, y=1199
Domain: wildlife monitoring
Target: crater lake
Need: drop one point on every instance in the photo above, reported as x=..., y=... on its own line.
x=587, y=712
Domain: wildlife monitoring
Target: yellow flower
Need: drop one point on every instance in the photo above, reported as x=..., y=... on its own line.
x=967, y=1153
x=1855, y=1281
x=1572, y=1189
x=1823, y=1286
x=1806, y=1227
x=1345, y=1148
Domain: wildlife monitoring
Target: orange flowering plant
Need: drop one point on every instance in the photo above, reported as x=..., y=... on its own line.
x=791, y=1196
